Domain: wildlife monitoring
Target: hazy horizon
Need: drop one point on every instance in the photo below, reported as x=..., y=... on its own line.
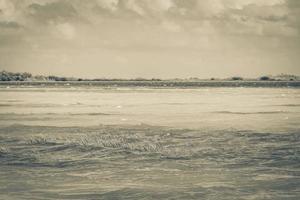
x=148, y=78
x=150, y=38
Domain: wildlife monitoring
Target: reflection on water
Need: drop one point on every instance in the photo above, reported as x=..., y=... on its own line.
x=91, y=143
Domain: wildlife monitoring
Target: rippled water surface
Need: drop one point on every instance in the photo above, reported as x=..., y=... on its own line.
x=138, y=143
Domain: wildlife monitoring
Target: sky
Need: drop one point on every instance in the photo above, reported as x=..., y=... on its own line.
x=150, y=38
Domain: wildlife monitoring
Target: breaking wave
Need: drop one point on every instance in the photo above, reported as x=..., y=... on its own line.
x=69, y=146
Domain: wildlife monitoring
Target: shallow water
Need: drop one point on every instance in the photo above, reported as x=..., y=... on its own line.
x=139, y=143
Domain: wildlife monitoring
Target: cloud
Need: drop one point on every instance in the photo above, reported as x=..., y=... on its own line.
x=10, y=25
x=54, y=11
x=65, y=31
x=153, y=33
x=111, y=5
x=237, y=4
x=268, y=13
x=149, y=7
x=294, y=13
x=7, y=10
x=161, y=5
x=210, y=8
x=134, y=6
x=103, y=17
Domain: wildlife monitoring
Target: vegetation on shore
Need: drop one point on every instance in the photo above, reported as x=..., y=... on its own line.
x=25, y=76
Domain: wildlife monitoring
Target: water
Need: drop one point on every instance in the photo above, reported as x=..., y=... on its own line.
x=141, y=143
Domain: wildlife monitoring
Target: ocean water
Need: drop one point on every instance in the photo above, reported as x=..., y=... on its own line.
x=142, y=143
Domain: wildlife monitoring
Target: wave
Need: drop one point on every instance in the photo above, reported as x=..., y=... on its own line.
x=32, y=159
x=5, y=105
x=91, y=113
x=49, y=151
x=3, y=150
x=11, y=100
x=9, y=157
x=98, y=141
x=50, y=113
x=30, y=105
x=251, y=113
x=71, y=146
x=289, y=105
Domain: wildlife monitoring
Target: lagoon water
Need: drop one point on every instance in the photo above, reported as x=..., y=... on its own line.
x=145, y=143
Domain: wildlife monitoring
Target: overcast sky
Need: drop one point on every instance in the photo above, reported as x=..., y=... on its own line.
x=150, y=38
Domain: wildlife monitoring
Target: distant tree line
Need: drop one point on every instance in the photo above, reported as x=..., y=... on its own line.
x=119, y=79
x=10, y=76
x=25, y=76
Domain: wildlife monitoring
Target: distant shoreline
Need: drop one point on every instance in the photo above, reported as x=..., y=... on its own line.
x=153, y=84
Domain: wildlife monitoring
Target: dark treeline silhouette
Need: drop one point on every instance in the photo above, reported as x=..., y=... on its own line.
x=10, y=76
x=25, y=76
